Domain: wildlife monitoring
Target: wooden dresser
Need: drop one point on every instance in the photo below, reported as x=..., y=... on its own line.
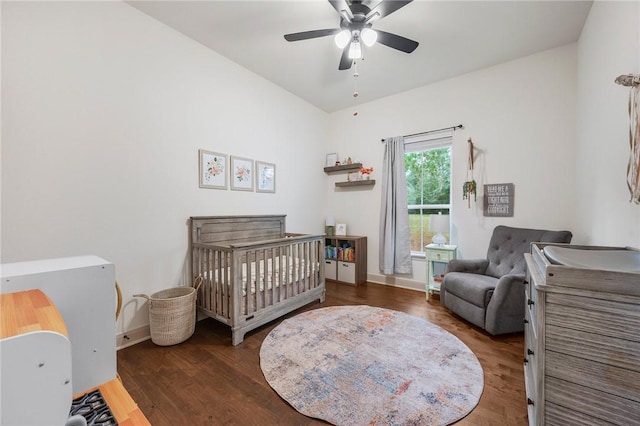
x=582, y=342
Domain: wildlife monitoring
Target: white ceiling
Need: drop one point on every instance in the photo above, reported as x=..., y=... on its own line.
x=455, y=37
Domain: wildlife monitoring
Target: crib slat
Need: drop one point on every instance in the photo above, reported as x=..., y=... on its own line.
x=308, y=267
x=287, y=260
x=303, y=267
x=274, y=282
x=217, y=296
x=283, y=273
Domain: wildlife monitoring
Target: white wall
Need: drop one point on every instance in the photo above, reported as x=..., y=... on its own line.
x=608, y=47
x=521, y=118
x=104, y=110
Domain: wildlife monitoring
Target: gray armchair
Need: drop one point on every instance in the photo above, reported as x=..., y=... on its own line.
x=490, y=292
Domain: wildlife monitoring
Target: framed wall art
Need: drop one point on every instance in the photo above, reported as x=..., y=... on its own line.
x=341, y=229
x=265, y=177
x=241, y=174
x=332, y=159
x=212, y=167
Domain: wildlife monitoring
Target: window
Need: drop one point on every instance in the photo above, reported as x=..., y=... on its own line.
x=427, y=163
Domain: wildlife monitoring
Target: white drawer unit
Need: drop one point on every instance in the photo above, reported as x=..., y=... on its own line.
x=582, y=336
x=437, y=257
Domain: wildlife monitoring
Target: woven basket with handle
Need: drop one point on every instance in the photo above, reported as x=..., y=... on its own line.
x=172, y=314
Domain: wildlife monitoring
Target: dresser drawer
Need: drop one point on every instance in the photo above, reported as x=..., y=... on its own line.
x=532, y=397
x=440, y=255
x=605, y=317
x=571, y=404
x=593, y=376
x=531, y=294
x=530, y=349
x=595, y=347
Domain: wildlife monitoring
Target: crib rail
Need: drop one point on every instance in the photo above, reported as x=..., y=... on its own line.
x=241, y=280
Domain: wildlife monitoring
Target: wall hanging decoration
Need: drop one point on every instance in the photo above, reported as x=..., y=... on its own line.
x=212, y=167
x=498, y=200
x=469, y=188
x=633, y=166
x=241, y=174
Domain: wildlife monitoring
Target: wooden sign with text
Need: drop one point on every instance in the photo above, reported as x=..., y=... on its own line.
x=498, y=199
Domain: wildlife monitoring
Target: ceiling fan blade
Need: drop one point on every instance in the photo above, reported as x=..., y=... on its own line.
x=385, y=8
x=305, y=35
x=396, y=42
x=345, y=61
x=339, y=6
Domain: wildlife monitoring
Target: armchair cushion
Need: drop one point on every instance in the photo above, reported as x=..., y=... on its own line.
x=476, y=289
x=470, y=266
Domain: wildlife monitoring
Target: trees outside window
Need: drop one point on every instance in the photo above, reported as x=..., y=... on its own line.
x=428, y=173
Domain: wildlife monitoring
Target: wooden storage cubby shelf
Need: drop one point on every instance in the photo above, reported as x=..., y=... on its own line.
x=352, y=270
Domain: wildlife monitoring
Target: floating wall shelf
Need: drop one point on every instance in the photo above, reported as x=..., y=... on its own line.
x=357, y=183
x=343, y=168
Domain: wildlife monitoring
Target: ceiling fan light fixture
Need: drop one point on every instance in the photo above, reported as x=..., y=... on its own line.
x=355, y=50
x=368, y=36
x=342, y=38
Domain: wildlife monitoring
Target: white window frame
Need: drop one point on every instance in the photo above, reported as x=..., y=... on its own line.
x=425, y=142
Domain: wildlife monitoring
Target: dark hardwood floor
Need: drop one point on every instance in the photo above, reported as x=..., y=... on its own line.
x=207, y=381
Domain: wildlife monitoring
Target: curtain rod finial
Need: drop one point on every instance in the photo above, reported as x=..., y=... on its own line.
x=628, y=80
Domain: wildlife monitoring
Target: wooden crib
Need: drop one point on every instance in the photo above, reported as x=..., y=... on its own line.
x=253, y=271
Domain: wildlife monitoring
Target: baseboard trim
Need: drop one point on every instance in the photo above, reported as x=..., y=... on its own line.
x=132, y=337
x=393, y=281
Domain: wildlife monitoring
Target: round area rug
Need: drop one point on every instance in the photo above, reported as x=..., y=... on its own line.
x=361, y=365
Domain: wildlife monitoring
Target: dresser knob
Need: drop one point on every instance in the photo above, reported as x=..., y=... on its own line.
x=529, y=401
x=526, y=321
x=525, y=282
x=530, y=302
x=529, y=351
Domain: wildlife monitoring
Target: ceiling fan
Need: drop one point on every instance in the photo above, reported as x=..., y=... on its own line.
x=356, y=19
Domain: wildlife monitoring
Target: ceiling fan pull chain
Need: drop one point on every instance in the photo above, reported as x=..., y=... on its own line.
x=355, y=84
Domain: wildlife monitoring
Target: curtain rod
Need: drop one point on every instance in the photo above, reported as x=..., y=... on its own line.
x=459, y=126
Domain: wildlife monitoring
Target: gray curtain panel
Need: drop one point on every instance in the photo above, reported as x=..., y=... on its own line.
x=395, y=248
x=633, y=167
